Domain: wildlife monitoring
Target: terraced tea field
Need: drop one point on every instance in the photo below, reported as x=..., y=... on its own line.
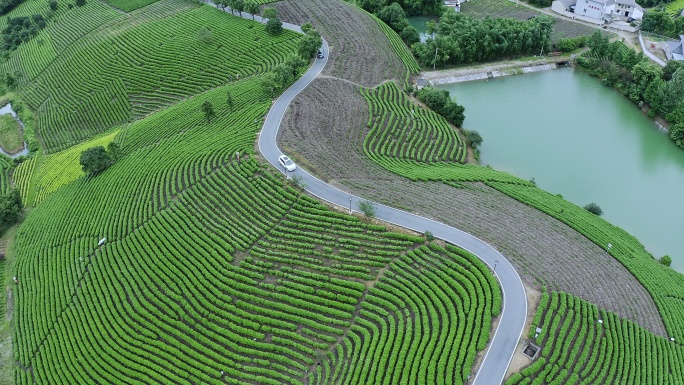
x=139, y=64
x=130, y=5
x=582, y=344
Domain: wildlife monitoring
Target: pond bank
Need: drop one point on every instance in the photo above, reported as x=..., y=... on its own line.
x=7, y=109
x=493, y=70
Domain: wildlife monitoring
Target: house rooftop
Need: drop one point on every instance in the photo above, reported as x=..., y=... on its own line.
x=630, y=3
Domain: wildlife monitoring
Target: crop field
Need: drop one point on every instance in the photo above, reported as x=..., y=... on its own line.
x=138, y=64
x=214, y=269
x=675, y=7
x=665, y=285
x=417, y=143
x=130, y=5
x=506, y=8
x=327, y=126
x=54, y=170
x=359, y=49
x=582, y=344
x=404, y=131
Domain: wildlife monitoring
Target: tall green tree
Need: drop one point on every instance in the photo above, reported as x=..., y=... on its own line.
x=394, y=16
x=208, y=110
x=95, y=160
x=252, y=7
x=274, y=26
x=269, y=13
x=308, y=45
x=10, y=207
x=658, y=22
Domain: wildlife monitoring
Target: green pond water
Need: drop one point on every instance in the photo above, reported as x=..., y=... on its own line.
x=585, y=141
x=418, y=22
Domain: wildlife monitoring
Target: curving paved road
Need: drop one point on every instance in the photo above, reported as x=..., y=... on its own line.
x=514, y=310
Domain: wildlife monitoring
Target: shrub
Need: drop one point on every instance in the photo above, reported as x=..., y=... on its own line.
x=594, y=209
x=429, y=236
x=665, y=260
x=274, y=26
x=367, y=208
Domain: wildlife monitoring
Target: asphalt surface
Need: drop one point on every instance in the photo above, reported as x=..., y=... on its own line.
x=514, y=305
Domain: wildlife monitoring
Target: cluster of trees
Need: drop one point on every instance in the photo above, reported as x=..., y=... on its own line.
x=412, y=7
x=440, y=101
x=283, y=75
x=10, y=208
x=462, y=39
x=96, y=159
x=20, y=30
x=8, y=5
x=541, y=3
x=310, y=43
x=640, y=79
x=249, y=6
x=662, y=23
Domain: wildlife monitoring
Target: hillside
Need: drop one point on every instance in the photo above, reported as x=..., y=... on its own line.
x=184, y=262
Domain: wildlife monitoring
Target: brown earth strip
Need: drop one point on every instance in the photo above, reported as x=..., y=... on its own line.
x=324, y=130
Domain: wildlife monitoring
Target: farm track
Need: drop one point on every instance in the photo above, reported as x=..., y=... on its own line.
x=324, y=130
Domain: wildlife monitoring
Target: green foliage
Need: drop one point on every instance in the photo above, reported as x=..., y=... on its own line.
x=394, y=16
x=367, y=208
x=541, y=3
x=283, y=75
x=138, y=70
x=10, y=208
x=594, y=209
x=53, y=5
x=95, y=160
x=252, y=7
x=20, y=30
x=571, y=44
x=269, y=13
x=441, y=102
x=8, y=5
x=309, y=44
x=665, y=260
x=474, y=138
x=463, y=39
x=80, y=3
x=114, y=150
x=274, y=26
x=660, y=22
x=403, y=131
x=208, y=110
x=428, y=236
x=410, y=35
x=578, y=349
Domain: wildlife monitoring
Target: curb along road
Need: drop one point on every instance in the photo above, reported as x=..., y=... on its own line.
x=514, y=300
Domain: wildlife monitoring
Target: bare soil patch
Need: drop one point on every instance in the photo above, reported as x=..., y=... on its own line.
x=326, y=125
x=359, y=51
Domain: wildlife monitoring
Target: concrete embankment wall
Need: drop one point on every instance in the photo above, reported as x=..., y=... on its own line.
x=493, y=73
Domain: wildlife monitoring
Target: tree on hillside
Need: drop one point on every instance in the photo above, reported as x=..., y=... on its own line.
x=394, y=16
x=309, y=44
x=251, y=7
x=665, y=260
x=658, y=22
x=10, y=207
x=410, y=35
x=53, y=5
x=372, y=6
x=208, y=110
x=95, y=160
x=229, y=102
x=594, y=209
x=114, y=150
x=269, y=83
x=239, y=6
x=274, y=26
x=269, y=13
x=80, y=3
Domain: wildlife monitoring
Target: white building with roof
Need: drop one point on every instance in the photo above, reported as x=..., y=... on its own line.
x=604, y=11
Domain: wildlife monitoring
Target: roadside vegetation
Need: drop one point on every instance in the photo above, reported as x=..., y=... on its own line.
x=646, y=83
x=582, y=344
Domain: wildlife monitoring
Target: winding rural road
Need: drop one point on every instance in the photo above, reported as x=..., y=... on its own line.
x=514, y=305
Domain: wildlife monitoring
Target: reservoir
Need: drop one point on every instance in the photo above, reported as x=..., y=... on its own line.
x=587, y=142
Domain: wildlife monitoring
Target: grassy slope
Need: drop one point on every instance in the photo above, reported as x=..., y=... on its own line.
x=10, y=136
